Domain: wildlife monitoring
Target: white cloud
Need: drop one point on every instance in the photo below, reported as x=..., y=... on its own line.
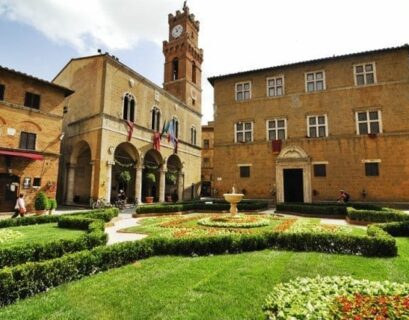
x=236, y=35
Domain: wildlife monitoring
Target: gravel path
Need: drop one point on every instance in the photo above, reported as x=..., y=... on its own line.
x=124, y=220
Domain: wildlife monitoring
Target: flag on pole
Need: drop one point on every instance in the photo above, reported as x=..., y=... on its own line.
x=171, y=134
x=165, y=128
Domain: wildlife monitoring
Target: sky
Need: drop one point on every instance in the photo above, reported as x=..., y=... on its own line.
x=39, y=37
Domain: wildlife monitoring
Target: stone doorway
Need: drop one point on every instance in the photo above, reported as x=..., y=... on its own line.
x=293, y=185
x=8, y=191
x=293, y=157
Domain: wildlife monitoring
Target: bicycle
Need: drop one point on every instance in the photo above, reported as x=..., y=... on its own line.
x=120, y=204
x=100, y=203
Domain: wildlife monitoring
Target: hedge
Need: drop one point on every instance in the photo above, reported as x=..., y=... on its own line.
x=395, y=229
x=315, y=209
x=385, y=215
x=201, y=206
x=30, y=278
x=94, y=237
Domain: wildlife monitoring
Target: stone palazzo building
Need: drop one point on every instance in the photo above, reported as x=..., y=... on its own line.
x=116, y=117
x=303, y=131
x=31, y=113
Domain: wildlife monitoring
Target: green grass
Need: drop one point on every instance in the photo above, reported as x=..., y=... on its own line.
x=214, y=287
x=35, y=234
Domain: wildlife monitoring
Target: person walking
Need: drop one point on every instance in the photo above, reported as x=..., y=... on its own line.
x=20, y=207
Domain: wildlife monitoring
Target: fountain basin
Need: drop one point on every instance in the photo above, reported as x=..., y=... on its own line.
x=233, y=199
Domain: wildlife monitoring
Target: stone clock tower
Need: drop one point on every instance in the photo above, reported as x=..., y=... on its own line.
x=183, y=59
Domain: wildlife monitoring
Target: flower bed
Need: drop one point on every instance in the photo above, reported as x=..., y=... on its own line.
x=337, y=298
x=234, y=222
x=9, y=235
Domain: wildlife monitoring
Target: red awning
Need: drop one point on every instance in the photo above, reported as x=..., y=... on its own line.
x=21, y=154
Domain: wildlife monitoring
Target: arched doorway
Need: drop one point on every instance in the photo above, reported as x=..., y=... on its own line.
x=173, y=178
x=152, y=165
x=123, y=172
x=293, y=175
x=79, y=174
x=9, y=188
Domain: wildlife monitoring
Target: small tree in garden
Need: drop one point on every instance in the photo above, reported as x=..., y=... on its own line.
x=171, y=177
x=150, y=180
x=41, y=201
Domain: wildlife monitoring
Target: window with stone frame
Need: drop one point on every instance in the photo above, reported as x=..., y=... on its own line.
x=275, y=86
x=365, y=74
x=155, y=122
x=317, y=126
x=28, y=140
x=314, y=81
x=128, y=108
x=206, y=144
x=243, y=91
x=372, y=169
x=2, y=89
x=320, y=170
x=368, y=122
x=32, y=100
x=175, y=123
x=276, y=129
x=206, y=162
x=193, y=135
x=244, y=171
x=243, y=132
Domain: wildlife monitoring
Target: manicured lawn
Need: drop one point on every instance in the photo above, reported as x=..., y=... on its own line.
x=214, y=287
x=35, y=233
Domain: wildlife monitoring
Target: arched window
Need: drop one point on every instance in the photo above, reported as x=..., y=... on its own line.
x=155, y=119
x=175, y=69
x=194, y=72
x=175, y=126
x=128, y=112
x=193, y=135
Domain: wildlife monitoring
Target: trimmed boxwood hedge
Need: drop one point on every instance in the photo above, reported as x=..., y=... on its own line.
x=395, y=229
x=219, y=205
x=314, y=209
x=30, y=278
x=92, y=221
x=385, y=215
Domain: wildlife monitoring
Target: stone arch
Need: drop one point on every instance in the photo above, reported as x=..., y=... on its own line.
x=174, y=178
x=152, y=165
x=29, y=126
x=293, y=158
x=126, y=159
x=80, y=173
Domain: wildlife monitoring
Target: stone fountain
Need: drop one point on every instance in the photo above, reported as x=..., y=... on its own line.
x=233, y=198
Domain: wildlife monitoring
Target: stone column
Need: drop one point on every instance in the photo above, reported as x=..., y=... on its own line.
x=138, y=184
x=70, y=184
x=109, y=180
x=181, y=181
x=162, y=184
x=91, y=191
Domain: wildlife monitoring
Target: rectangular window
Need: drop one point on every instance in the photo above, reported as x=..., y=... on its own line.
x=244, y=171
x=32, y=100
x=368, y=122
x=244, y=132
x=27, y=140
x=315, y=81
x=275, y=86
x=2, y=89
x=365, y=74
x=320, y=170
x=37, y=182
x=243, y=91
x=206, y=144
x=206, y=162
x=276, y=129
x=372, y=169
x=317, y=126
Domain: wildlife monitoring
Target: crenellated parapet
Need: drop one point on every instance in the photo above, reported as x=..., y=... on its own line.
x=181, y=15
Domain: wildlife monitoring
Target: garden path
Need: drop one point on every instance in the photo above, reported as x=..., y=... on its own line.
x=124, y=220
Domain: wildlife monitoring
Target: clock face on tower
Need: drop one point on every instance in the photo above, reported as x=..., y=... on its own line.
x=177, y=31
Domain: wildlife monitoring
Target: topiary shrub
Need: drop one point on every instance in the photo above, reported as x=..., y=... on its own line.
x=41, y=201
x=52, y=203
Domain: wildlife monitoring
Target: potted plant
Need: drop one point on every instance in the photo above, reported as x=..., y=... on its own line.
x=125, y=176
x=171, y=177
x=41, y=203
x=52, y=203
x=150, y=180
